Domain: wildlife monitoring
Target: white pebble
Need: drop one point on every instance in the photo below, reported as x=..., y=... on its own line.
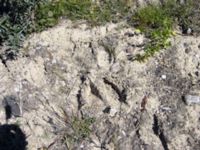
x=16, y=89
x=164, y=76
x=54, y=61
x=113, y=112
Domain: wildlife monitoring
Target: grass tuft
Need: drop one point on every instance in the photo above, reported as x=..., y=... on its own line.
x=157, y=23
x=18, y=18
x=48, y=14
x=81, y=130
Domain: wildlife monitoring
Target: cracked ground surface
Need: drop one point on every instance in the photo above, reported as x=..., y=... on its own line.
x=78, y=71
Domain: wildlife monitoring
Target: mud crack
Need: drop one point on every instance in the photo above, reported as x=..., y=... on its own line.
x=159, y=132
x=95, y=91
x=122, y=94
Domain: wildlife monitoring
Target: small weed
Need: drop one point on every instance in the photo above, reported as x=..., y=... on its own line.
x=81, y=130
x=157, y=25
x=157, y=22
x=81, y=127
x=15, y=23
x=181, y=12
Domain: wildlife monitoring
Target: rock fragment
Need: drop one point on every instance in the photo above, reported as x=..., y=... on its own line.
x=192, y=99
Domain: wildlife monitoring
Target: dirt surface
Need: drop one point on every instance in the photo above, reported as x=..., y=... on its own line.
x=73, y=70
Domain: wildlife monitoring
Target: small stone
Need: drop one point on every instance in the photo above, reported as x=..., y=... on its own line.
x=82, y=146
x=115, y=68
x=54, y=61
x=124, y=133
x=113, y=112
x=16, y=89
x=163, y=76
x=192, y=99
x=189, y=31
x=129, y=34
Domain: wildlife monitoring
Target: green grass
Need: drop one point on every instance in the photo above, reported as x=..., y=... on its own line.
x=81, y=130
x=157, y=23
x=19, y=18
x=81, y=127
x=48, y=14
x=15, y=23
x=181, y=12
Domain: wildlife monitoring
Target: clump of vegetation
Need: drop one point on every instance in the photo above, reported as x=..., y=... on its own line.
x=19, y=18
x=157, y=25
x=193, y=18
x=47, y=14
x=158, y=21
x=15, y=22
x=181, y=12
x=81, y=129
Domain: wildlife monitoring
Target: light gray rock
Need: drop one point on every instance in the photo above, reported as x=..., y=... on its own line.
x=192, y=99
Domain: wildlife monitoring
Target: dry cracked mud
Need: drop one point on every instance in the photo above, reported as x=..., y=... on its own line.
x=75, y=71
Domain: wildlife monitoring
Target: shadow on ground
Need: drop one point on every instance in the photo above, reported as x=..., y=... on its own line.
x=11, y=136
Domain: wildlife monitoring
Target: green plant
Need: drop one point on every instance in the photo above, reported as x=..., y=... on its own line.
x=81, y=130
x=15, y=23
x=181, y=12
x=48, y=13
x=81, y=127
x=157, y=22
x=18, y=18
x=157, y=25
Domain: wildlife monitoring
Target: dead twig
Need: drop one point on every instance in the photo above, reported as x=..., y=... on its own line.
x=144, y=102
